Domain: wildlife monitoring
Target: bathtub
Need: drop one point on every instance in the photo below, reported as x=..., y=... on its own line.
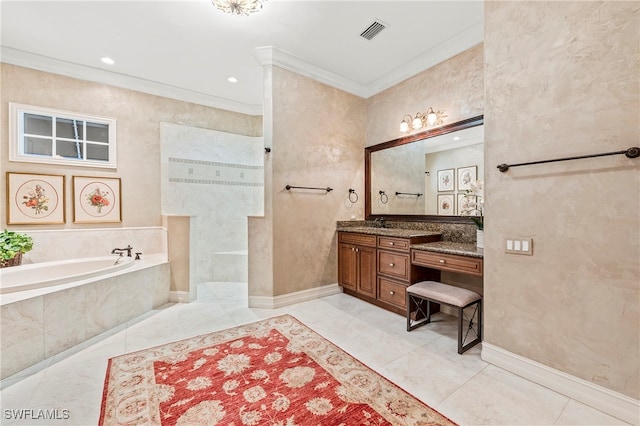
x=46, y=274
x=50, y=307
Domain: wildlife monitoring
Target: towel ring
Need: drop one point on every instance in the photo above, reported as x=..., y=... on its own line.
x=384, y=198
x=353, y=191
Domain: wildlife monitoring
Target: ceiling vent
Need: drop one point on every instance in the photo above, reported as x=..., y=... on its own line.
x=373, y=30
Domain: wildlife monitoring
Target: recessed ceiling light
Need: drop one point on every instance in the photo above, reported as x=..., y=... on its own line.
x=232, y=80
x=456, y=138
x=108, y=60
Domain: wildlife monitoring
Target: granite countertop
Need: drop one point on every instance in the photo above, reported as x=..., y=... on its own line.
x=449, y=247
x=387, y=232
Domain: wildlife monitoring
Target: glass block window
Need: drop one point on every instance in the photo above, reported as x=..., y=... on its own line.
x=44, y=135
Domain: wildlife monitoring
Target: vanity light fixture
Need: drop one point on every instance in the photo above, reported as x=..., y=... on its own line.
x=429, y=118
x=239, y=7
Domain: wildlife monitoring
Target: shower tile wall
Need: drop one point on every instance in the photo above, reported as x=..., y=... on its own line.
x=218, y=178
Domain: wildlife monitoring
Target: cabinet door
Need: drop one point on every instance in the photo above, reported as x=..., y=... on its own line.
x=347, y=266
x=366, y=271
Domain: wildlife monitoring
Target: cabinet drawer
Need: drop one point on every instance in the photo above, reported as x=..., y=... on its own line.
x=447, y=262
x=400, y=244
x=392, y=292
x=358, y=239
x=394, y=264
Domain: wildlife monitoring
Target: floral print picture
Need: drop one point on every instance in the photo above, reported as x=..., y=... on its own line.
x=35, y=199
x=96, y=199
x=466, y=176
x=445, y=180
x=446, y=204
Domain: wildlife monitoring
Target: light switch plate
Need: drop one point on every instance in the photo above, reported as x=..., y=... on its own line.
x=519, y=246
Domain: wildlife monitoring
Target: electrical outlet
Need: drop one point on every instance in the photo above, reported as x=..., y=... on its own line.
x=519, y=246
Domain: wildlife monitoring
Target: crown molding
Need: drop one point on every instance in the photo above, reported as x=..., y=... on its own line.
x=270, y=55
x=44, y=63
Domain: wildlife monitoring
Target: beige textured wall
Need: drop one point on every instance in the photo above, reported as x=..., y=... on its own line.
x=138, y=118
x=455, y=86
x=562, y=79
x=317, y=141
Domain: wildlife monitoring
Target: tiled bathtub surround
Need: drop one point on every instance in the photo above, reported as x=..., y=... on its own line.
x=63, y=244
x=454, y=232
x=55, y=319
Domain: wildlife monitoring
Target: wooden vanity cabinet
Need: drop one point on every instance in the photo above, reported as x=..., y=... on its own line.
x=357, y=263
x=378, y=269
x=395, y=272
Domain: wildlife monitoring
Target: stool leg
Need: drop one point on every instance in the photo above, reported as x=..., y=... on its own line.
x=460, y=317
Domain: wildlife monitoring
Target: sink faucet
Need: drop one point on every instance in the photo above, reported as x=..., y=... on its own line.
x=121, y=251
x=379, y=222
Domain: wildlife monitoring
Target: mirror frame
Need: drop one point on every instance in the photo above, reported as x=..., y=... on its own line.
x=443, y=130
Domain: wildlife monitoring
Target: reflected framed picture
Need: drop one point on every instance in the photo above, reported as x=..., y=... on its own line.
x=446, y=204
x=96, y=200
x=466, y=176
x=466, y=205
x=35, y=199
x=446, y=180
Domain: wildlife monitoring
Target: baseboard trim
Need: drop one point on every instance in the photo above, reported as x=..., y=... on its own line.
x=179, y=297
x=267, y=302
x=613, y=403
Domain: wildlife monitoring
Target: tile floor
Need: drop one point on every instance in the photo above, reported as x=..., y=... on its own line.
x=423, y=362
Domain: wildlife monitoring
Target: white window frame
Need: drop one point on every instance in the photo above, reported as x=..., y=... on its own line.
x=16, y=141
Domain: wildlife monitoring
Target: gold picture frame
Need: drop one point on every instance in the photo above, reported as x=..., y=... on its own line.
x=35, y=199
x=97, y=199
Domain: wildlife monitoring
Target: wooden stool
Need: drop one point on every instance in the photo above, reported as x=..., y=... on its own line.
x=460, y=298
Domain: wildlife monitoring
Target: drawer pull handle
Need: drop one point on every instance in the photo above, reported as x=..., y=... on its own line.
x=357, y=249
x=443, y=261
x=392, y=264
x=391, y=243
x=392, y=293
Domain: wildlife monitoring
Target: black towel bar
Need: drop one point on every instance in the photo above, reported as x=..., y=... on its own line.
x=417, y=194
x=290, y=187
x=632, y=152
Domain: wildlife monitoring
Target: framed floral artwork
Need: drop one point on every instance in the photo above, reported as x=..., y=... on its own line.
x=466, y=205
x=466, y=176
x=35, y=199
x=446, y=204
x=96, y=199
x=446, y=180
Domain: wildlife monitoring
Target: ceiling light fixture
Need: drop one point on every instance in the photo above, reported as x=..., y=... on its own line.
x=232, y=80
x=108, y=60
x=429, y=118
x=239, y=7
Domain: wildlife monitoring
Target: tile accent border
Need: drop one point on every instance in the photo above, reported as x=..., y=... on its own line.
x=267, y=302
x=598, y=397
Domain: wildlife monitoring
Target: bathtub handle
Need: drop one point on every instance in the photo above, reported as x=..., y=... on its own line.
x=138, y=256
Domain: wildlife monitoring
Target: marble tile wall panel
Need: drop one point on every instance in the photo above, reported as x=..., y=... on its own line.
x=64, y=244
x=219, y=180
x=64, y=320
x=22, y=336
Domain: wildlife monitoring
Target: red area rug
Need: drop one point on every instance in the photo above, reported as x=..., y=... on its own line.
x=272, y=372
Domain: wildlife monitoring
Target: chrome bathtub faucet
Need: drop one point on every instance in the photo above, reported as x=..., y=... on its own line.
x=121, y=251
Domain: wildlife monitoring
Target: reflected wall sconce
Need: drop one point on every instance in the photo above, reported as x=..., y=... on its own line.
x=429, y=118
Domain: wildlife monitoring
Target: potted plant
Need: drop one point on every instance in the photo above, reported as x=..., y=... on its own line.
x=12, y=246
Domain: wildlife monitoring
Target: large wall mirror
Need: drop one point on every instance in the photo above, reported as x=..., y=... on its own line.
x=424, y=176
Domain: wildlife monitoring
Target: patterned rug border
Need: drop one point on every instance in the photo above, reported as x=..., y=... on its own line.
x=219, y=337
